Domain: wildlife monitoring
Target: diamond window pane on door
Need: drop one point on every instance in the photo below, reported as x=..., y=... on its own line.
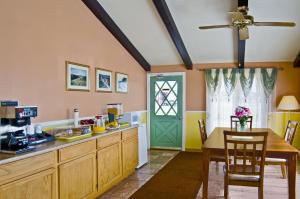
x=166, y=98
x=172, y=112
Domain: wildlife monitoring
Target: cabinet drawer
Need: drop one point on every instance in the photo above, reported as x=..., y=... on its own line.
x=37, y=186
x=25, y=167
x=129, y=133
x=77, y=150
x=108, y=140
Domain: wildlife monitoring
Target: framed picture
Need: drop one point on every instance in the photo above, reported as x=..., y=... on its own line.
x=121, y=83
x=103, y=80
x=78, y=76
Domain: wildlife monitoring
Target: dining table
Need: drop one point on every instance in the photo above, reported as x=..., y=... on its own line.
x=276, y=148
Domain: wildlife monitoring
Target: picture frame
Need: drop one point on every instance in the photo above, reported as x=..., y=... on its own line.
x=103, y=80
x=77, y=77
x=121, y=83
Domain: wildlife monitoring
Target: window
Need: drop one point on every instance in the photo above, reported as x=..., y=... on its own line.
x=166, y=98
x=220, y=106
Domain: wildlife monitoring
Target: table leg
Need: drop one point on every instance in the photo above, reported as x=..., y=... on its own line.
x=205, y=173
x=291, y=164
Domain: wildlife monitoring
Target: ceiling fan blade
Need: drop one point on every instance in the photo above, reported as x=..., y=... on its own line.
x=237, y=16
x=243, y=33
x=215, y=26
x=286, y=24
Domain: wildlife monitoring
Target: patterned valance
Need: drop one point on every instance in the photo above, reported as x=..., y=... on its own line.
x=212, y=82
x=245, y=76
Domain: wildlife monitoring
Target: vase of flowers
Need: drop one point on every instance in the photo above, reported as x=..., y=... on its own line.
x=242, y=113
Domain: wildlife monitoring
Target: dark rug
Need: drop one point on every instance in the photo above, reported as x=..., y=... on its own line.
x=180, y=178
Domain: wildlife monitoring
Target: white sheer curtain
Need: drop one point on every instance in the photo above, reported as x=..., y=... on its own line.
x=219, y=107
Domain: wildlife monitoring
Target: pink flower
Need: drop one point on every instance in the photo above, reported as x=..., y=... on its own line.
x=242, y=112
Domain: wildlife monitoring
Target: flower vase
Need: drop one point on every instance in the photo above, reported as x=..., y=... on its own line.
x=241, y=126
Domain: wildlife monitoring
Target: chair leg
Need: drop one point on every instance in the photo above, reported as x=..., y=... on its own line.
x=261, y=192
x=283, y=171
x=225, y=188
x=217, y=167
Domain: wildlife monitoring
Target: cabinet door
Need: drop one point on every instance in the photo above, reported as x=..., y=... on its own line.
x=109, y=167
x=77, y=178
x=41, y=185
x=130, y=155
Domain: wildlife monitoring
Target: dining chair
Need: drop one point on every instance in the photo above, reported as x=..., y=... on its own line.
x=289, y=136
x=202, y=129
x=203, y=136
x=244, y=149
x=234, y=120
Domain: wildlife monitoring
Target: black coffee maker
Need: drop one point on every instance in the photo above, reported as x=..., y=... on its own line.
x=15, y=139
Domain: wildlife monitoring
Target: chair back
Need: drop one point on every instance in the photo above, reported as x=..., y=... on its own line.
x=246, y=152
x=290, y=132
x=234, y=120
x=202, y=130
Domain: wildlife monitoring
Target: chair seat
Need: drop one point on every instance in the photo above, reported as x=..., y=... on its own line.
x=238, y=177
x=275, y=160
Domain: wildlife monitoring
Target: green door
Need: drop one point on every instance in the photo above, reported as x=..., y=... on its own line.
x=166, y=112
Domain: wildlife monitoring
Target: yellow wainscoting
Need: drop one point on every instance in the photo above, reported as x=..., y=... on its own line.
x=278, y=122
x=193, y=140
x=143, y=117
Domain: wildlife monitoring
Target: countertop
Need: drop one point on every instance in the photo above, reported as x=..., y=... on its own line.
x=55, y=145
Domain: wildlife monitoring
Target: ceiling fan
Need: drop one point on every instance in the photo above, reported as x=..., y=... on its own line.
x=241, y=20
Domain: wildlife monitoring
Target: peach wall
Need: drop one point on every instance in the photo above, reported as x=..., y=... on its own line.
x=288, y=81
x=37, y=37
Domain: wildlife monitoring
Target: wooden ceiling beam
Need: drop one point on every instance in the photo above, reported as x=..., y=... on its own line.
x=108, y=22
x=168, y=20
x=241, y=43
x=297, y=61
x=241, y=52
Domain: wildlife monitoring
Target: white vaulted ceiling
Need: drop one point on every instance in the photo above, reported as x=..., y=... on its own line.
x=141, y=23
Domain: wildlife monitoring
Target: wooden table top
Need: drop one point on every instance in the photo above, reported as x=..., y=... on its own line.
x=275, y=144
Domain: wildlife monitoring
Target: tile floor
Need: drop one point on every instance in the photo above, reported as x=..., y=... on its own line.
x=157, y=160
x=275, y=186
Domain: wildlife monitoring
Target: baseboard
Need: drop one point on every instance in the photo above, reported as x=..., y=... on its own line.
x=165, y=148
x=193, y=150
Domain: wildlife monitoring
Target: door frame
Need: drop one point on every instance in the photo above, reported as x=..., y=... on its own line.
x=183, y=75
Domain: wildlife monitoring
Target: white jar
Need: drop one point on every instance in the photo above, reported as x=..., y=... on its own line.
x=76, y=117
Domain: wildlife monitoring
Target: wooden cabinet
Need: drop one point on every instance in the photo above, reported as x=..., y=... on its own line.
x=109, y=166
x=72, y=172
x=41, y=185
x=129, y=151
x=77, y=178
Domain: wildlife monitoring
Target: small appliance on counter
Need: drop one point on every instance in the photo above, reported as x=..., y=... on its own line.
x=115, y=112
x=19, y=137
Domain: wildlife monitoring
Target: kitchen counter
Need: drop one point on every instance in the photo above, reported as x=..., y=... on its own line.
x=55, y=145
